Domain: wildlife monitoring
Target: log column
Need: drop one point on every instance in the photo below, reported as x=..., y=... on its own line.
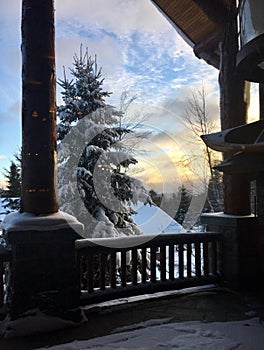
x=42, y=273
x=39, y=150
x=233, y=112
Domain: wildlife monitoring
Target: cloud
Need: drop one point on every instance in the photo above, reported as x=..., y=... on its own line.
x=138, y=51
x=135, y=45
x=117, y=16
x=3, y=184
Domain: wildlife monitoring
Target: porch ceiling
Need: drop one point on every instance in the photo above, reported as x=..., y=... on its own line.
x=201, y=24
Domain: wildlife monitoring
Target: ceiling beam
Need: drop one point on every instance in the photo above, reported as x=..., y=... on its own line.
x=206, y=48
x=214, y=10
x=210, y=58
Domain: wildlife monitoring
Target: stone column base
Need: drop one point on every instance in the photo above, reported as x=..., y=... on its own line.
x=42, y=274
x=240, y=249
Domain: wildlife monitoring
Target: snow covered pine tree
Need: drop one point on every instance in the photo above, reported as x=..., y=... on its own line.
x=12, y=193
x=90, y=151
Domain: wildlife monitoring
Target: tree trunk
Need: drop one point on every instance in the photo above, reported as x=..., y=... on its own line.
x=39, y=146
x=233, y=111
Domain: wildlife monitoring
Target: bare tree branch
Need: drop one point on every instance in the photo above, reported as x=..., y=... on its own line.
x=198, y=121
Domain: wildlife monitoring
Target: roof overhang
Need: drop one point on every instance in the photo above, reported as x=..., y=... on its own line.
x=201, y=23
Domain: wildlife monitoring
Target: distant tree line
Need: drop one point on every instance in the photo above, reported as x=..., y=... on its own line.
x=169, y=202
x=178, y=204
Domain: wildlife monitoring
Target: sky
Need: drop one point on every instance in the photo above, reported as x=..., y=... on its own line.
x=141, y=53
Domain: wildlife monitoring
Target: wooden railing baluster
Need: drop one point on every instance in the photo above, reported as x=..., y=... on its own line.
x=134, y=266
x=214, y=257
x=153, y=251
x=197, y=259
x=205, y=259
x=90, y=287
x=163, y=263
x=171, y=262
x=180, y=247
x=113, y=269
x=123, y=268
x=144, y=265
x=102, y=271
x=176, y=265
x=189, y=259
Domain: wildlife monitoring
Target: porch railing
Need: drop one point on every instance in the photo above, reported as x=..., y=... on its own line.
x=120, y=267
x=5, y=256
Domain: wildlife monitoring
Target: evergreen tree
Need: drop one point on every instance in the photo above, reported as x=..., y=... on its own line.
x=105, y=188
x=2, y=192
x=81, y=95
x=155, y=197
x=12, y=192
x=185, y=200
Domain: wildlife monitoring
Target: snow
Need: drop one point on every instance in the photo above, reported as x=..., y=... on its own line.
x=153, y=220
x=152, y=296
x=193, y=335
x=26, y=221
x=35, y=322
x=223, y=215
x=2, y=210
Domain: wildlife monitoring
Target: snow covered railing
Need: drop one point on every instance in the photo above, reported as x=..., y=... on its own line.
x=5, y=255
x=117, y=267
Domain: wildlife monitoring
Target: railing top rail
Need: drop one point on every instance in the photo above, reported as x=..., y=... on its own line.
x=141, y=241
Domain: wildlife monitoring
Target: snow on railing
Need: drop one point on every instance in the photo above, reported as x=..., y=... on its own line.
x=116, y=267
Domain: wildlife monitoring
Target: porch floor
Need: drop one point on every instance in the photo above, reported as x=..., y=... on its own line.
x=210, y=304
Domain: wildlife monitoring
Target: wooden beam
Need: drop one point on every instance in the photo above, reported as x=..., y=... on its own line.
x=214, y=10
x=210, y=58
x=249, y=164
x=209, y=43
x=206, y=48
x=233, y=112
x=39, y=182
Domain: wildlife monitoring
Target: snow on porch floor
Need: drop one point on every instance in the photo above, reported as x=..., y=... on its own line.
x=161, y=324
x=194, y=335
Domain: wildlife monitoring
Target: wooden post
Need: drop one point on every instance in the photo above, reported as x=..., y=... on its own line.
x=39, y=150
x=233, y=112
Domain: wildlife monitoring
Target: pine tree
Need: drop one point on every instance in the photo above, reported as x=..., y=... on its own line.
x=185, y=200
x=12, y=192
x=81, y=95
x=103, y=185
x=155, y=197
